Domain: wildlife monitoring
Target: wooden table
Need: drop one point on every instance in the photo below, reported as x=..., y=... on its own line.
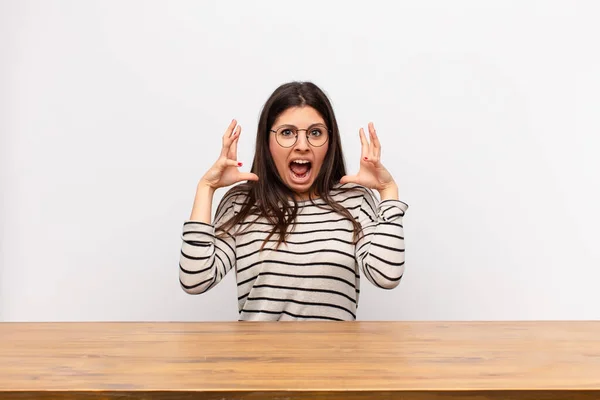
x=301, y=360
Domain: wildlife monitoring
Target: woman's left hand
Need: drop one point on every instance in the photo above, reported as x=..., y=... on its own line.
x=372, y=173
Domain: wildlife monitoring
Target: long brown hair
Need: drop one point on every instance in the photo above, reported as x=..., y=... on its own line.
x=269, y=197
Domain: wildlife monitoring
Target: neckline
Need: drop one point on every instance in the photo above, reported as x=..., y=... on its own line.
x=315, y=200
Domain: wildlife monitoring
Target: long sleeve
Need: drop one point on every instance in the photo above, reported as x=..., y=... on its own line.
x=380, y=250
x=205, y=258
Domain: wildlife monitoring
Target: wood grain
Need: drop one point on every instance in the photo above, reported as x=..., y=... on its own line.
x=301, y=360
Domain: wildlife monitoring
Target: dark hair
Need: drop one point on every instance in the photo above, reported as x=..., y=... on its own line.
x=269, y=197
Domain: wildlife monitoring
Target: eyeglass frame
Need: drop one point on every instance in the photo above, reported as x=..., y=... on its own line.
x=329, y=132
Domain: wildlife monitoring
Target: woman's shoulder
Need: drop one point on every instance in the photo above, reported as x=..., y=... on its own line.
x=343, y=191
x=235, y=196
x=353, y=196
x=240, y=190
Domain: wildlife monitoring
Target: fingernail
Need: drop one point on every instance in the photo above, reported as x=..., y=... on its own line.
x=366, y=158
x=239, y=164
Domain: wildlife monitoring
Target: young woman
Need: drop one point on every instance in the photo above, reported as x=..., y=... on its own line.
x=299, y=231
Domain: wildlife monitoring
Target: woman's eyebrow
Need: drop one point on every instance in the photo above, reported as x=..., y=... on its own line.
x=294, y=126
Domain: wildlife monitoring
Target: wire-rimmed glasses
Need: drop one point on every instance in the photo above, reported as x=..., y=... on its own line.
x=287, y=135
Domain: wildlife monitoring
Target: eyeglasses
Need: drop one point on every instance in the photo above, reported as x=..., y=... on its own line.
x=287, y=135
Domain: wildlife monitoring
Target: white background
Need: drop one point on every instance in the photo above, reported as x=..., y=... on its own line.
x=488, y=111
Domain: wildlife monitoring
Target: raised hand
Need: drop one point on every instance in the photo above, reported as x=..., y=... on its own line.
x=372, y=173
x=224, y=171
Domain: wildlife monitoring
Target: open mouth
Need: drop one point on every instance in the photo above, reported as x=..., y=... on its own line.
x=300, y=170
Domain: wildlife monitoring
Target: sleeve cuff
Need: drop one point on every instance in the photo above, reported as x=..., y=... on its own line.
x=197, y=226
x=390, y=210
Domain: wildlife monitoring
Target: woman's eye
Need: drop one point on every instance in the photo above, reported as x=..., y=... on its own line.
x=286, y=132
x=315, y=132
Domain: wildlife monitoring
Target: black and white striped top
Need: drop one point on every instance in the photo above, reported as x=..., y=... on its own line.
x=315, y=274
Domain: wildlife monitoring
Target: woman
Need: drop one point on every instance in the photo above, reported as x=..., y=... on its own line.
x=299, y=231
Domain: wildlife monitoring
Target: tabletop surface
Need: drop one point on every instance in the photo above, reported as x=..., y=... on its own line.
x=266, y=356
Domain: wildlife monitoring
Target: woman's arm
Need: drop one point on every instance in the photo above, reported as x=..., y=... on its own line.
x=380, y=250
x=205, y=259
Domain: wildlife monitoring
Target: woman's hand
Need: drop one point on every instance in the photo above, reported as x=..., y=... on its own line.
x=224, y=171
x=372, y=173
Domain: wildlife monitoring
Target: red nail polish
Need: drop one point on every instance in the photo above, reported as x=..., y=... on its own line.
x=366, y=158
x=239, y=164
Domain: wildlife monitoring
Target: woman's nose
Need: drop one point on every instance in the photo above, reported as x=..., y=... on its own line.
x=302, y=142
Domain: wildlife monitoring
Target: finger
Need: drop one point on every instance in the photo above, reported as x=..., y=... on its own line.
x=371, y=151
x=227, y=138
x=349, y=179
x=229, y=129
x=375, y=140
x=233, y=147
x=364, y=144
x=233, y=163
x=247, y=176
x=228, y=142
x=374, y=161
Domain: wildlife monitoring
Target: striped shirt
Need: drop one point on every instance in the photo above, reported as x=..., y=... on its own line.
x=315, y=274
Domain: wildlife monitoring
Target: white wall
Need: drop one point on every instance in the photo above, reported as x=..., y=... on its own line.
x=110, y=112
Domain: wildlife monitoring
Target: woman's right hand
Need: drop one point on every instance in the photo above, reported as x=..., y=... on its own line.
x=224, y=171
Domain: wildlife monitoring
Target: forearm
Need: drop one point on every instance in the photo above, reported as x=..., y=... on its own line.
x=197, y=273
x=389, y=193
x=204, y=259
x=383, y=258
x=202, y=208
x=381, y=253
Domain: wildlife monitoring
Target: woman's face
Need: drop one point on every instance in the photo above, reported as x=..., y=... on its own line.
x=299, y=164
